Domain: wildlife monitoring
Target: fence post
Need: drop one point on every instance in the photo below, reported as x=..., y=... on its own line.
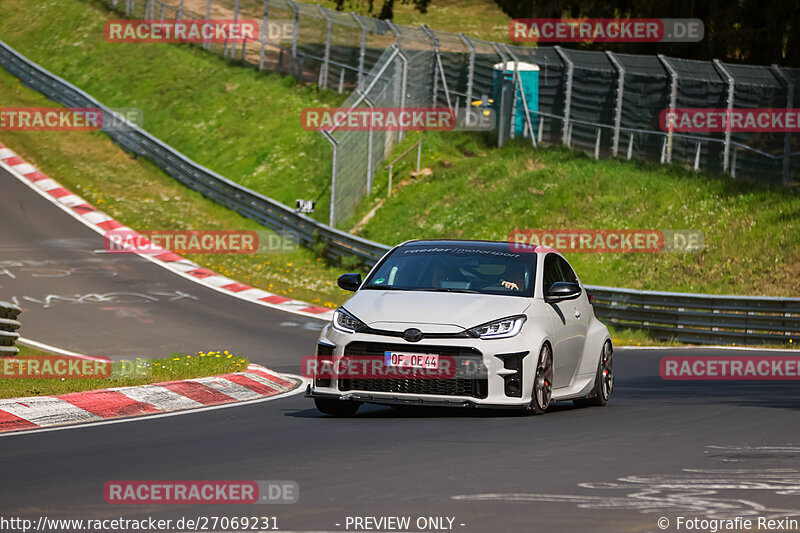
x=403, y=85
x=207, y=43
x=363, y=50
x=470, y=68
x=369, y=142
x=295, y=33
x=697, y=157
x=436, y=62
x=733, y=161
x=630, y=146
x=673, y=98
x=264, y=35
x=618, y=111
x=180, y=10
x=322, y=82
x=396, y=32
x=335, y=145
x=727, y=75
x=235, y=19
x=787, y=137
x=567, y=91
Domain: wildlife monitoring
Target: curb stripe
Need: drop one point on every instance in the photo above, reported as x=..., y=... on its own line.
x=252, y=384
x=161, y=398
x=259, y=371
x=9, y=422
x=198, y=392
x=108, y=404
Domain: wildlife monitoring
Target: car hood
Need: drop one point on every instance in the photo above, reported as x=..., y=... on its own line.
x=380, y=309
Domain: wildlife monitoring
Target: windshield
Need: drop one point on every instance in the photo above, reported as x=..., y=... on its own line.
x=469, y=269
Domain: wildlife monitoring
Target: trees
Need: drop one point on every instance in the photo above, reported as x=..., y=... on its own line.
x=751, y=31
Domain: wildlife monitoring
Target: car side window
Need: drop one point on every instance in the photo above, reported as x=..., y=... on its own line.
x=567, y=274
x=551, y=273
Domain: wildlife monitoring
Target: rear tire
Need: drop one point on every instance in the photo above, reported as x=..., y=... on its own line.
x=603, y=381
x=339, y=408
x=542, y=382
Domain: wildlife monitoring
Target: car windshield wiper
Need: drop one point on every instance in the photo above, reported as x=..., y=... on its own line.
x=447, y=289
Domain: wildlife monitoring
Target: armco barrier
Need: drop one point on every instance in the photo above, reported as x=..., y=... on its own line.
x=8, y=328
x=685, y=317
x=700, y=318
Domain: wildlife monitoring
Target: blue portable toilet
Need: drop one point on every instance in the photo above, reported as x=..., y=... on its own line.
x=529, y=79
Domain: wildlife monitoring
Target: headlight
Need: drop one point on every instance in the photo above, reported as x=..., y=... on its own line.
x=344, y=321
x=499, y=329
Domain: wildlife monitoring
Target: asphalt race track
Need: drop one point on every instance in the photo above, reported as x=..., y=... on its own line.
x=659, y=449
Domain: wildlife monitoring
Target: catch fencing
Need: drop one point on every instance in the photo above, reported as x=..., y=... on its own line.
x=8, y=329
x=606, y=104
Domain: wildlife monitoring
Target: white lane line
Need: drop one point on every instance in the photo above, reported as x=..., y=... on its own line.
x=299, y=390
x=60, y=351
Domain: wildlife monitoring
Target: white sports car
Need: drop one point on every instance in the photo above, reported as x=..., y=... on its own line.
x=463, y=323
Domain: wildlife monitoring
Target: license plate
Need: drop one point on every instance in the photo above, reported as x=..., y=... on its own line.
x=411, y=360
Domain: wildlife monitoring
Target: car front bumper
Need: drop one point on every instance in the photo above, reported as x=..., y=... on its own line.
x=501, y=375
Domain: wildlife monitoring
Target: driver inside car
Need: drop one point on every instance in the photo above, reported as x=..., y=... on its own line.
x=514, y=278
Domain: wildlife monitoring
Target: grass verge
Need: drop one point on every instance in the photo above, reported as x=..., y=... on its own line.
x=176, y=367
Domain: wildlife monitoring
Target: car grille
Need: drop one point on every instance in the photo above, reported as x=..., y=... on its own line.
x=456, y=386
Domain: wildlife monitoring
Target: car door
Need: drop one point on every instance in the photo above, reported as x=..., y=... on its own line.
x=581, y=312
x=565, y=325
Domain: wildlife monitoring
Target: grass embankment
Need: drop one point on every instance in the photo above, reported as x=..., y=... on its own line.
x=141, y=371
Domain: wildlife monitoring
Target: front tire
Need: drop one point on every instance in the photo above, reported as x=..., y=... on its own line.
x=338, y=408
x=603, y=381
x=542, y=382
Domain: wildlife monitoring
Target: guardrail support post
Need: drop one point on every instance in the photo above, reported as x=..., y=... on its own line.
x=729, y=101
x=567, y=93
x=673, y=97
x=787, y=137
x=618, y=108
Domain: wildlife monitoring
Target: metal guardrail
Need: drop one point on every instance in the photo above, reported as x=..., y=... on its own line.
x=685, y=317
x=700, y=318
x=8, y=329
x=244, y=201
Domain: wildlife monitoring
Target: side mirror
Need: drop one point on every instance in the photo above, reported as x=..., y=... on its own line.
x=562, y=290
x=349, y=282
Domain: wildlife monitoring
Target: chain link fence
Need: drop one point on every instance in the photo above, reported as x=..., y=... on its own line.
x=605, y=104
